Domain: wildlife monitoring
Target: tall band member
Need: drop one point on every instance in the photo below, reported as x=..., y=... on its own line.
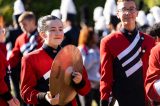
x=36, y=66
x=124, y=60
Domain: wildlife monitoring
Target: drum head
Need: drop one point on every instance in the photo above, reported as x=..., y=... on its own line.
x=68, y=59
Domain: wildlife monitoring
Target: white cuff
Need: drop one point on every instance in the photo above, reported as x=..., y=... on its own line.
x=157, y=86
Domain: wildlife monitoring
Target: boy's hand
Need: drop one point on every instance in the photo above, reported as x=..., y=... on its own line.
x=52, y=101
x=77, y=77
x=14, y=102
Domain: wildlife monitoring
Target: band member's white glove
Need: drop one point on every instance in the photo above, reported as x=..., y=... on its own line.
x=52, y=101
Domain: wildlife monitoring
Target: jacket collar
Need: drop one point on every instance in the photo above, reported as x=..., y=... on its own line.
x=52, y=52
x=130, y=35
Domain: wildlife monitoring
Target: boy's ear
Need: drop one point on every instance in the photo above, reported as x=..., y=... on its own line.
x=42, y=34
x=117, y=13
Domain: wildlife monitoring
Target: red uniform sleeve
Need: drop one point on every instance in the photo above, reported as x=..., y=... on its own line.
x=3, y=48
x=153, y=74
x=15, y=56
x=86, y=88
x=28, y=82
x=3, y=67
x=106, y=70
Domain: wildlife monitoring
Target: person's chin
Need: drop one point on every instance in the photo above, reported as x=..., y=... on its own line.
x=58, y=42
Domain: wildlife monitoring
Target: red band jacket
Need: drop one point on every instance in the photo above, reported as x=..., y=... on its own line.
x=34, y=77
x=5, y=94
x=24, y=44
x=123, y=67
x=152, y=84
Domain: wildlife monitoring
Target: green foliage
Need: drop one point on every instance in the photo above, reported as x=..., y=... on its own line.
x=91, y=4
x=44, y=7
x=6, y=10
x=151, y=3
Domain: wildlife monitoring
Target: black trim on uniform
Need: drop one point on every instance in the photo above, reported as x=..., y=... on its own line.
x=35, y=33
x=6, y=96
x=51, y=51
x=132, y=63
x=130, y=35
x=123, y=86
x=42, y=85
x=78, y=86
x=133, y=51
x=103, y=103
x=41, y=98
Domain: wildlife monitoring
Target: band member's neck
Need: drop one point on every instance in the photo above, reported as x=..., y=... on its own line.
x=129, y=27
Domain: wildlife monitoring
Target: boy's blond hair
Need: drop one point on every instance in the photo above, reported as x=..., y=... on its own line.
x=26, y=15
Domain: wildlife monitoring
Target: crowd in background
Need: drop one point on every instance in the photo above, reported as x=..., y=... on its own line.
x=86, y=38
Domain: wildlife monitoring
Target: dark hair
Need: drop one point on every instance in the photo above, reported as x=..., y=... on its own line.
x=118, y=1
x=42, y=22
x=114, y=21
x=154, y=31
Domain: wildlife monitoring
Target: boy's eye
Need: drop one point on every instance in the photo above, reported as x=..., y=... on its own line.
x=132, y=9
x=52, y=30
x=60, y=29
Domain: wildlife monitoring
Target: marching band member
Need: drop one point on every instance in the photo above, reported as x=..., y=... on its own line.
x=124, y=60
x=6, y=97
x=36, y=67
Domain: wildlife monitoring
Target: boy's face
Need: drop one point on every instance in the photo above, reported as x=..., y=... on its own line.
x=27, y=25
x=127, y=12
x=54, y=34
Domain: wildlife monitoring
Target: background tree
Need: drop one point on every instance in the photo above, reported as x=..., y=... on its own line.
x=43, y=7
